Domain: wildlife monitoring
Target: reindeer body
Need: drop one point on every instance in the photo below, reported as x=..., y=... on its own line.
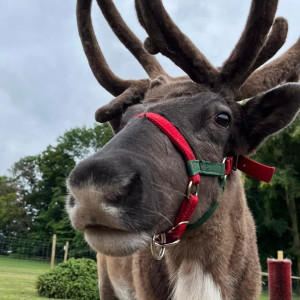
x=132, y=192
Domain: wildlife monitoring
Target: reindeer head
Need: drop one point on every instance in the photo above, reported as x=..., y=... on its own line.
x=134, y=186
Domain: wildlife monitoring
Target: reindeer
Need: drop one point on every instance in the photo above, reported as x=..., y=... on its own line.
x=143, y=189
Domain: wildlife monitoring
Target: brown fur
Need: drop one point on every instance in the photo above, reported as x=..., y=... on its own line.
x=133, y=187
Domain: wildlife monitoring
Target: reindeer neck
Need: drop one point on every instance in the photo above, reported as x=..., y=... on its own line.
x=206, y=252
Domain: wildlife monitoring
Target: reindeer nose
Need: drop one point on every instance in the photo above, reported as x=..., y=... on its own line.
x=115, y=177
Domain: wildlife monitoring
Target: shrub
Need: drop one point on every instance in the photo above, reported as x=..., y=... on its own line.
x=74, y=279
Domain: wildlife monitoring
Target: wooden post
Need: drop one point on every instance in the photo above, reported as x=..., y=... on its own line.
x=280, y=281
x=53, y=250
x=280, y=255
x=66, y=248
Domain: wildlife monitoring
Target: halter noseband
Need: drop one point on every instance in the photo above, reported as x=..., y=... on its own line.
x=194, y=169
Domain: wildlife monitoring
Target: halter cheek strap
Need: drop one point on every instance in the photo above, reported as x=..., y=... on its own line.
x=194, y=169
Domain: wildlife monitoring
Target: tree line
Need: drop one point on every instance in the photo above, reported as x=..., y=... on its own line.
x=32, y=198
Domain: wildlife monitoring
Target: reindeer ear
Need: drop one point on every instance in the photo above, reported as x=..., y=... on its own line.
x=270, y=112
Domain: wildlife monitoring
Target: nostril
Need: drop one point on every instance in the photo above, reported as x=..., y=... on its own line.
x=126, y=189
x=72, y=201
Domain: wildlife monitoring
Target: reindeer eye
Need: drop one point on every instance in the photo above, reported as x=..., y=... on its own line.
x=223, y=119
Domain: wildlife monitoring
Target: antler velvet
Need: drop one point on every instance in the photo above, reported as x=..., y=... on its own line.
x=274, y=42
x=98, y=64
x=235, y=68
x=261, y=39
x=283, y=69
x=129, y=39
x=167, y=38
x=128, y=92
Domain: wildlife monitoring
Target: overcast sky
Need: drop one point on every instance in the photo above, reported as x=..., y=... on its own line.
x=46, y=86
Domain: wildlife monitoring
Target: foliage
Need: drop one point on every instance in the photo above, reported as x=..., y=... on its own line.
x=13, y=217
x=276, y=206
x=74, y=279
x=40, y=182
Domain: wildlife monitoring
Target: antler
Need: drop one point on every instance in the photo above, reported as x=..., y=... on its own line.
x=166, y=37
x=284, y=68
x=236, y=68
x=128, y=91
x=238, y=75
x=129, y=39
x=254, y=48
x=274, y=42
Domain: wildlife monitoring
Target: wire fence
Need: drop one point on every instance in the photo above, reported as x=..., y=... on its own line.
x=39, y=250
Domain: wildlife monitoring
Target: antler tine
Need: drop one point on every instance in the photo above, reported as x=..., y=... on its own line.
x=112, y=83
x=129, y=39
x=98, y=64
x=128, y=91
x=275, y=40
x=167, y=38
x=235, y=69
x=284, y=68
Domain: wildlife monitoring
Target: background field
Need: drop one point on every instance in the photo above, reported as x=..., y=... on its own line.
x=18, y=277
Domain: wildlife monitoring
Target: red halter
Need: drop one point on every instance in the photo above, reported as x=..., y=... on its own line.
x=172, y=236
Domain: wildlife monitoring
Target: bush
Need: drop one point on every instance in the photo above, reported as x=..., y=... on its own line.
x=74, y=279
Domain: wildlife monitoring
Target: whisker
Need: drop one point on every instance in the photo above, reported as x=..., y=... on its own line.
x=168, y=189
x=158, y=213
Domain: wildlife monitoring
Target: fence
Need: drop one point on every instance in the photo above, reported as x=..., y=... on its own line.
x=38, y=250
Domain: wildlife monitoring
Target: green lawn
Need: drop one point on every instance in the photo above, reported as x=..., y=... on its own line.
x=18, y=277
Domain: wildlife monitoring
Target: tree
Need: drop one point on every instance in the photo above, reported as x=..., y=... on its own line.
x=13, y=218
x=276, y=205
x=41, y=179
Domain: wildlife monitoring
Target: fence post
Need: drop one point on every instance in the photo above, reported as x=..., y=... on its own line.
x=280, y=281
x=53, y=250
x=66, y=248
x=280, y=255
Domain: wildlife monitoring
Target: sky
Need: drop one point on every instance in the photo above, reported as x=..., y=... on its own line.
x=46, y=85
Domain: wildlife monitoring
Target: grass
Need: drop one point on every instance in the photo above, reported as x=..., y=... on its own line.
x=18, y=279
x=266, y=297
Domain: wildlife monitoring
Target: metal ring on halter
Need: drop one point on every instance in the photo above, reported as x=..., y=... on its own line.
x=189, y=190
x=158, y=255
x=165, y=244
x=180, y=223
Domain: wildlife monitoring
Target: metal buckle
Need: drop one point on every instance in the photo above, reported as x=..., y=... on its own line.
x=189, y=189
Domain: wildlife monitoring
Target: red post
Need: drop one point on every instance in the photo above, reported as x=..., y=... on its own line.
x=280, y=280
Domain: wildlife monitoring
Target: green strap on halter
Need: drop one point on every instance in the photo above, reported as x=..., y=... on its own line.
x=205, y=217
x=214, y=169
x=205, y=167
